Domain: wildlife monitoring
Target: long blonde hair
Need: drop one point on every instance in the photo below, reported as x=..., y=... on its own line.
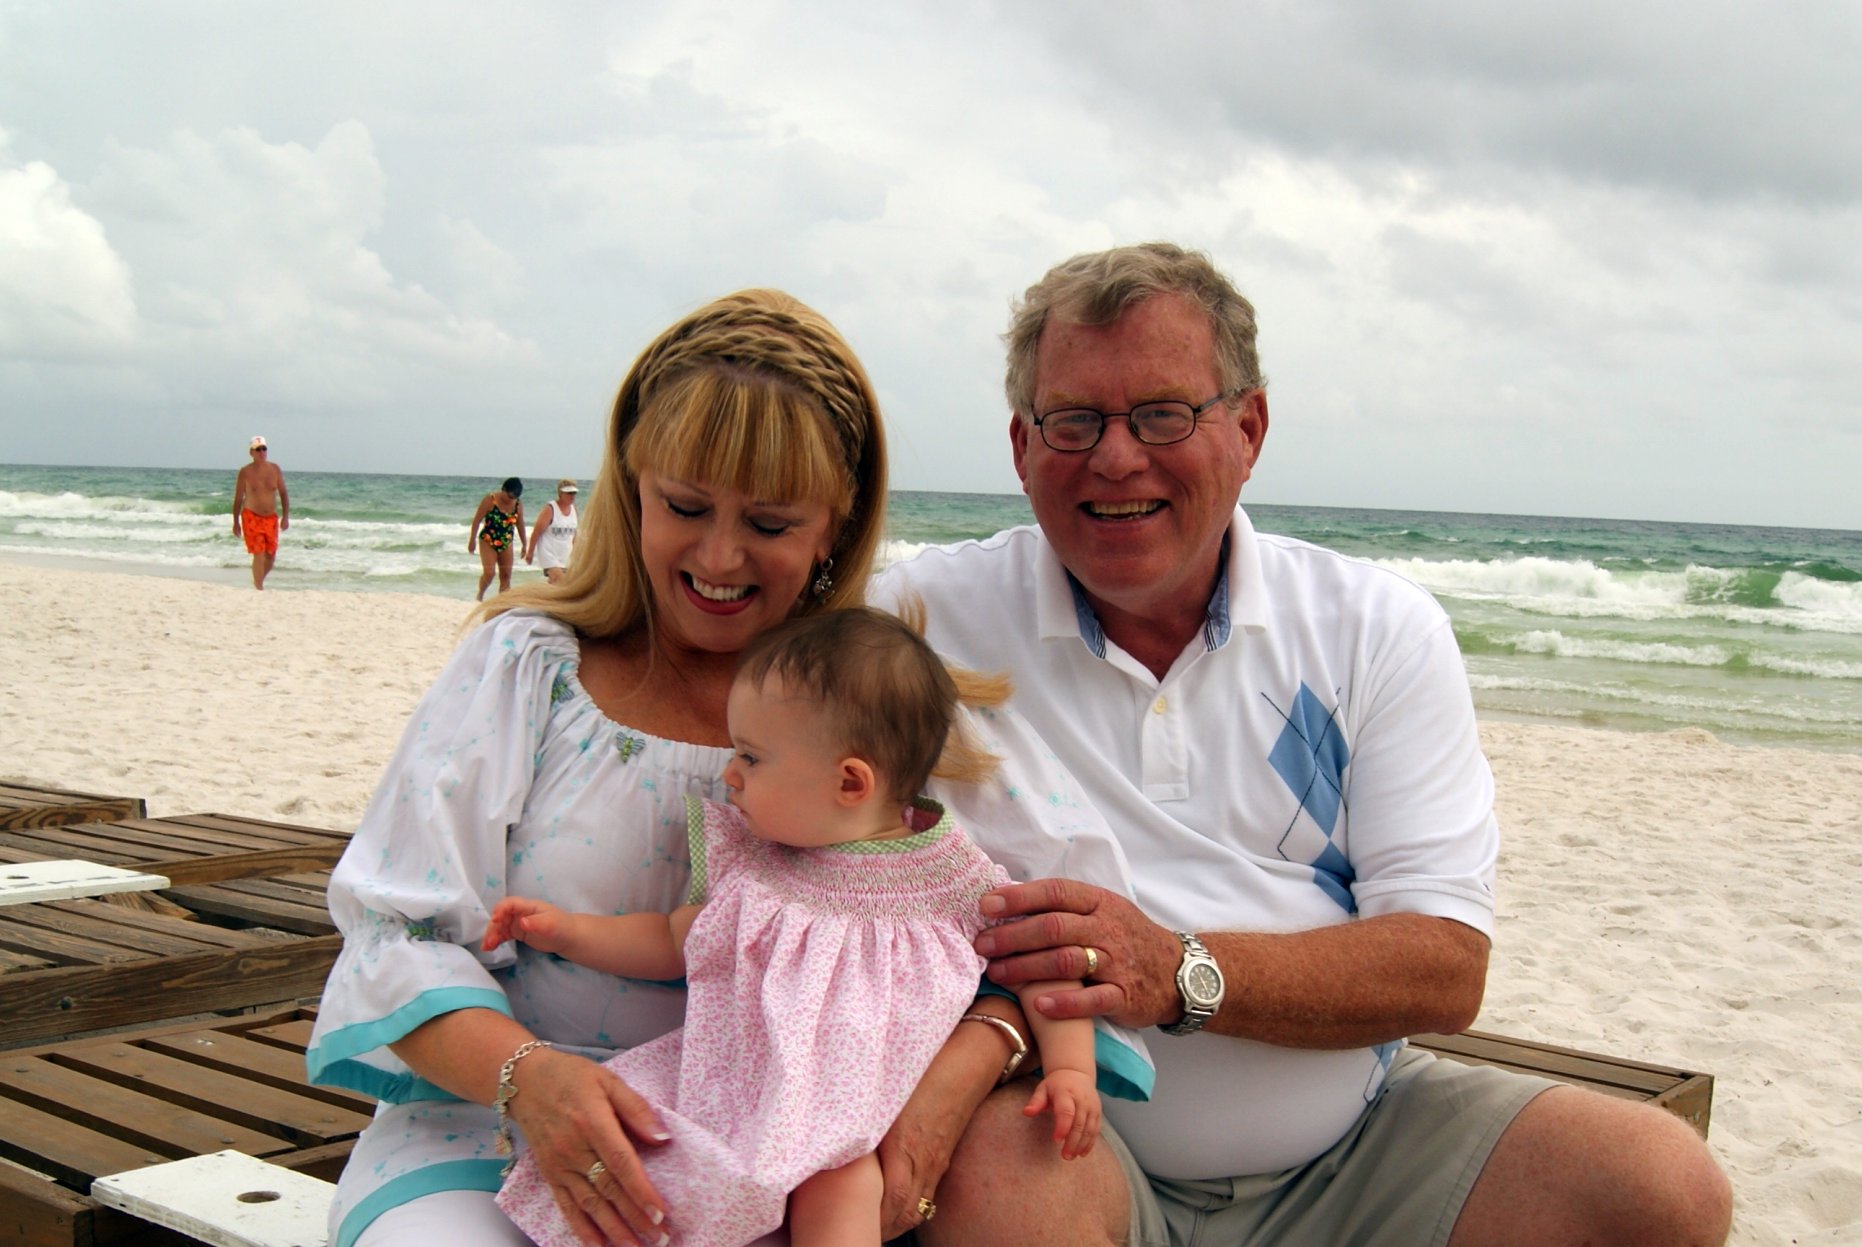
x=754, y=392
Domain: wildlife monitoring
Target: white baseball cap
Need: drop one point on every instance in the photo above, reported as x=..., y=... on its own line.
x=258, y=443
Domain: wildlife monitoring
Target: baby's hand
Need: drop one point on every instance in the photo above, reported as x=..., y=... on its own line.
x=1075, y=1102
x=536, y=923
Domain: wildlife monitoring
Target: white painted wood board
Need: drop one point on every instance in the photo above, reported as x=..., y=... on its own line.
x=227, y=1199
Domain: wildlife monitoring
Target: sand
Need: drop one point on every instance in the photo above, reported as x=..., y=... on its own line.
x=1665, y=897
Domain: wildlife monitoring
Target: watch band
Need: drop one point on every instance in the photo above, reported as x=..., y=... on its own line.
x=1195, y=956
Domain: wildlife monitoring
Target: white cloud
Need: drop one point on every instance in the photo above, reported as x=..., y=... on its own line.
x=257, y=254
x=65, y=294
x=1557, y=260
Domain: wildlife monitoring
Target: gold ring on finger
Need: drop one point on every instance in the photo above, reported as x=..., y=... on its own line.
x=595, y=1171
x=1092, y=960
x=926, y=1208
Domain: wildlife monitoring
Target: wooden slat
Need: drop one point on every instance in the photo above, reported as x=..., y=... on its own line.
x=57, y=946
x=144, y=1121
x=41, y=1212
x=201, y=932
x=188, y=849
x=70, y=1000
x=69, y=1151
x=24, y=806
x=104, y=926
x=13, y=962
x=294, y=1033
x=258, y=1105
x=263, y=1063
x=1685, y=1093
x=289, y=903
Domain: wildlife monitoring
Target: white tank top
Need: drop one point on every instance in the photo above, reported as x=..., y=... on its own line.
x=553, y=547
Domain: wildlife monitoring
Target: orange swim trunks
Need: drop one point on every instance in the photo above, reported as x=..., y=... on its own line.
x=261, y=532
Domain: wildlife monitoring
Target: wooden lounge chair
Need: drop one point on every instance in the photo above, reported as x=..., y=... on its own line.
x=242, y=924
x=76, y=1111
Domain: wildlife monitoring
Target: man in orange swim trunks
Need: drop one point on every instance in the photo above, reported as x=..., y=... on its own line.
x=261, y=509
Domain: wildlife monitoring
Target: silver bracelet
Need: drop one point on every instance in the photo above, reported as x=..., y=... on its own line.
x=1015, y=1041
x=506, y=1089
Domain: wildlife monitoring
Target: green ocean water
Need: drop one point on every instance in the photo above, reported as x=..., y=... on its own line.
x=1752, y=633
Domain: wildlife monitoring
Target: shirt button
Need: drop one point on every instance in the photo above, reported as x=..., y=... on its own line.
x=1160, y=705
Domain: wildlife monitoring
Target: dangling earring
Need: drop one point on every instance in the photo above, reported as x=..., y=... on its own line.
x=824, y=583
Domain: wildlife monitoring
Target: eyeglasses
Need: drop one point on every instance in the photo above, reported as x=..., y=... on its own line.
x=1155, y=424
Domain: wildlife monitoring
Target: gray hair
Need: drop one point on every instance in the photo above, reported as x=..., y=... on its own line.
x=1099, y=287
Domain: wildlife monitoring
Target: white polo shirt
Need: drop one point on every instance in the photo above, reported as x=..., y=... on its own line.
x=1311, y=757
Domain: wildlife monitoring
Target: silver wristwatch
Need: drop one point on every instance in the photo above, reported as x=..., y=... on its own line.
x=1199, y=983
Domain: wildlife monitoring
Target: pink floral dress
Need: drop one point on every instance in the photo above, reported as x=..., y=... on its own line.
x=821, y=983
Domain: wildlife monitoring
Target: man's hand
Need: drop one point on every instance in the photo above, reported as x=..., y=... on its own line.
x=1054, y=922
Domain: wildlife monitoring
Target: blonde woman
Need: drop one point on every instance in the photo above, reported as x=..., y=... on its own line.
x=743, y=483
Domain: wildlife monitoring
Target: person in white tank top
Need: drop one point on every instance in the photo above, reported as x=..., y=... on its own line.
x=554, y=536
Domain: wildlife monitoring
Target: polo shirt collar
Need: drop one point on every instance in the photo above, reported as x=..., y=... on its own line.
x=1062, y=611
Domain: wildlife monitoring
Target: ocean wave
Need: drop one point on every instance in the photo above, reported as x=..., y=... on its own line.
x=1581, y=589
x=75, y=506
x=1682, y=707
x=73, y=531
x=1560, y=645
x=1821, y=668
x=1821, y=597
x=162, y=557
x=400, y=531
x=1535, y=577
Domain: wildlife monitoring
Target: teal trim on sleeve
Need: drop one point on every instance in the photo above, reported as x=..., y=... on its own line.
x=381, y=1084
x=1122, y=1072
x=338, y=1049
x=986, y=988
x=454, y=1175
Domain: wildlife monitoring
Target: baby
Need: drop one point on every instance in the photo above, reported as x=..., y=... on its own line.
x=826, y=946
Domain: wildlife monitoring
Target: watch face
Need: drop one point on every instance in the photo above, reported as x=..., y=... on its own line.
x=1202, y=984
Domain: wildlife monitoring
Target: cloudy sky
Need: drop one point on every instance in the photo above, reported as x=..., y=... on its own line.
x=1596, y=258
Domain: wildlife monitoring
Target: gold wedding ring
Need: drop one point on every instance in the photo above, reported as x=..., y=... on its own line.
x=595, y=1171
x=1092, y=960
x=926, y=1208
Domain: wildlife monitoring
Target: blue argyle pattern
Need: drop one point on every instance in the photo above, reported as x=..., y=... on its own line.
x=1310, y=756
x=1385, y=1053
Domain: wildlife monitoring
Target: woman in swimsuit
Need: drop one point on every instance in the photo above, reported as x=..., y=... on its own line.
x=500, y=516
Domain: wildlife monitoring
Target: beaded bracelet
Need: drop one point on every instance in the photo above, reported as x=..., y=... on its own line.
x=506, y=1089
x=1015, y=1041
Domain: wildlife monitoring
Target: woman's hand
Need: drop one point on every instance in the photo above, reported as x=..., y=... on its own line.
x=574, y=1113
x=1048, y=927
x=916, y=1152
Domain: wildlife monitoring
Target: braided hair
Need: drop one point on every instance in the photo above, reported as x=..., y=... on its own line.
x=754, y=392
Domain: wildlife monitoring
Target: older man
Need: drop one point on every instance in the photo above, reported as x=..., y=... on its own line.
x=261, y=508
x=1284, y=743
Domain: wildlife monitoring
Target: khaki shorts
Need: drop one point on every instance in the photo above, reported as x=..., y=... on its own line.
x=1398, y=1177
